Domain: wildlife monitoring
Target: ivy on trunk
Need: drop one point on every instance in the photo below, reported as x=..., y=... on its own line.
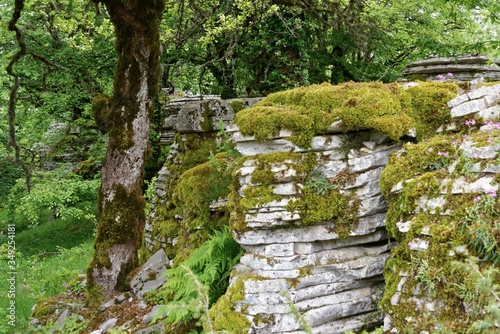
x=126, y=116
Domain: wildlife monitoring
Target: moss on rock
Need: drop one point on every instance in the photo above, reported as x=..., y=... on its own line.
x=434, y=285
x=224, y=314
x=309, y=111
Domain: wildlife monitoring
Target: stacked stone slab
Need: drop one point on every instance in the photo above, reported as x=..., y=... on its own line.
x=423, y=290
x=334, y=283
x=195, y=115
x=465, y=69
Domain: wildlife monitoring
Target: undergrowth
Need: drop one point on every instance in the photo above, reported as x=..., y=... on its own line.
x=196, y=283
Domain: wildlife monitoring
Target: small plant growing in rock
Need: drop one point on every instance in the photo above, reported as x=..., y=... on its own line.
x=483, y=227
x=483, y=299
x=318, y=182
x=223, y=146
x=301, y=319
x=199, y=281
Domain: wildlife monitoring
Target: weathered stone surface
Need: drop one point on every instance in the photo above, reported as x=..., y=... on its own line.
x=458, y=100
x=464, y=68
x=149, y=277
x=155, y=329
x=370, y=161
x=491, y=113
x=250, y=148
x=486, y=152
x=468, y=108
x=334, y=281
x=108, y=324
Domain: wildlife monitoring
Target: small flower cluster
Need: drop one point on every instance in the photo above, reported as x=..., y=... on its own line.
x=490, y=193
x=443, y=77
x=443, y=154
x=493, y=124
x=470, y=122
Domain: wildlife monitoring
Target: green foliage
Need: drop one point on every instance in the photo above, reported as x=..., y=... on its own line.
x=73, y=58
x=39, y=277
x=223, y=146
x=301, y=319
x=9, y=173
x=197, y=283
x=150, y=192
x=318, y=182
x=71, y=325
x=480, y=291
x=482, y=227
x=55, y=194
x=255, y=48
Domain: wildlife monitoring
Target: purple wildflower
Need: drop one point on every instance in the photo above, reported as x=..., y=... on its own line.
x=470, y=122
x=477, y=198
x=443, y=154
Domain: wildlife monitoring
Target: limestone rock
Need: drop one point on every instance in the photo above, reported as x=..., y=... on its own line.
x=149, y=277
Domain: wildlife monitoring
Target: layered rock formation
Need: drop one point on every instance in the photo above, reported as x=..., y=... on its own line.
x=304, y=203
x=306, y=264
x=444, y=211
x=465, y=69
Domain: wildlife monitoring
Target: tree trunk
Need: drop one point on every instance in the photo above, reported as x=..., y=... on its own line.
x=126, y=117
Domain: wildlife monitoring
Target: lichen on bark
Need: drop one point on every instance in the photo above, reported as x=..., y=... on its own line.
x=127, y=119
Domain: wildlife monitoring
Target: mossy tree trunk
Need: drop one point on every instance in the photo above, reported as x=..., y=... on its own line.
x=126, y=116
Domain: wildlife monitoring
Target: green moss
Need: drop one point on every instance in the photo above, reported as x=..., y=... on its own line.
x=428, y=106
x=394, y=126
x=309, y=111
x=44, y=307
x=237, y=105
x=433, y=273
x=208, y=114
x=262, y=192
x=87, y=169
x=416, y=159
x=101, y=110
x=333, y=206
x=223, y=313
x=192, y=184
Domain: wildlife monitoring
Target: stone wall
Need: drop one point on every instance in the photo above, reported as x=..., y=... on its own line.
x=331, y=275
x=312, y=221
x=194, y=120
x=464, y=69
x=445, y=213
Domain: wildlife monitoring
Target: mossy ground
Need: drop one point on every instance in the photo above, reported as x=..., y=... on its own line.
x=223, y=313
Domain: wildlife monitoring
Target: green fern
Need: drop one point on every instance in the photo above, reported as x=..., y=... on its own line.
x=200, y=280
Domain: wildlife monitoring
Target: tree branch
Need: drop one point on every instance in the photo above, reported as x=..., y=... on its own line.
x=19, y=6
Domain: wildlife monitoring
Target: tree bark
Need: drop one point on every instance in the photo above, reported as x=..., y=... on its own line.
x=127, y=117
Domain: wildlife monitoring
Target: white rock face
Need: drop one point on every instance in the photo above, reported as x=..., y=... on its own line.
x=479, y=102
x=149, y=277
x=334, y=282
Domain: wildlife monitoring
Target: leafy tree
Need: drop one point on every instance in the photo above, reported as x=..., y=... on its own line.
x=126, y=117
x=253, y=48
x=51, y=75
